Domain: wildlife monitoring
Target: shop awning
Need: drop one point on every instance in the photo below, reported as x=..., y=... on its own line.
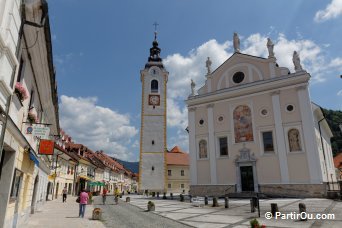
x=85, y=177
x=98, y=183
x=34, y=158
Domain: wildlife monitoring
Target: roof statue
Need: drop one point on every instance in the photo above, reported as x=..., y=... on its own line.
x=296, y=62
x=208, y=65
x=270, y=47
x=192, y=88
x=236, y=43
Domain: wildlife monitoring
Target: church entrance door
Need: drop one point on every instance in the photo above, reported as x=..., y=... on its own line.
x=247, y=180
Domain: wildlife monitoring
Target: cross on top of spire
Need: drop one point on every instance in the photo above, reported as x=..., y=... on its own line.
x=155, y=30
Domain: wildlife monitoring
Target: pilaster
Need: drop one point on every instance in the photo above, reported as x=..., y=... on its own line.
x=212, y=154
x=192, y=146
x=282, y=155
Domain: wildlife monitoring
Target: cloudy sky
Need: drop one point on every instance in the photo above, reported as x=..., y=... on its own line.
x=101, y=46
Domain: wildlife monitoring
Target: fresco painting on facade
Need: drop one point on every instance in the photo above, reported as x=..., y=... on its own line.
x=243, y=124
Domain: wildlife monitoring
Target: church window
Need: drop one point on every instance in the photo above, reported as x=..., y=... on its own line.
x=289, y=108
x=264, y=112
x=168, y=185
x=238, y=77
x=152, y=142
x=169, y=172
x=182, y=172
x=294, y=140
x=243, y=128
x=154, y=86
x=267, y=138
x=201, y=122
x=223, y=142
x=220, y=119
x=203, y=149
x=182, y=185
x=152, y=168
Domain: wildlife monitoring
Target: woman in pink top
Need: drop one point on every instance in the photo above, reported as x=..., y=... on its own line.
x=83, y=202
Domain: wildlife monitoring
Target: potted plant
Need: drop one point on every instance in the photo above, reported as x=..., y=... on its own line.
x=151, y=206
x=20, y=91
x=255, y=224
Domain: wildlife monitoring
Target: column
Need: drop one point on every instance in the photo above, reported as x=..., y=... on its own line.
x=309, y=134
x=192, y=146
x=212, y=154
x=284, y=172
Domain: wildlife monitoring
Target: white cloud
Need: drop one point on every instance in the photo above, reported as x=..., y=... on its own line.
x=333, y=10
x=192, y=66
x=339, y=93
x=97, y=127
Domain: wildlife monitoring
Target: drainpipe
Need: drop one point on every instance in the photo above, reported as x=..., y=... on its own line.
x=325, y=161
x=74, y=184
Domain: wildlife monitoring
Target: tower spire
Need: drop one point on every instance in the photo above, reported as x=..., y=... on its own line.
x=154, y=58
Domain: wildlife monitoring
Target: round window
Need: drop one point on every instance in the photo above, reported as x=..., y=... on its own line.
x=289, y=108
x=238, y=77
x=201, y=122
x=220, y=119
x=264, y=112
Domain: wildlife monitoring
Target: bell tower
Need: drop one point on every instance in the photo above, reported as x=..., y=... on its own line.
x=152, y=165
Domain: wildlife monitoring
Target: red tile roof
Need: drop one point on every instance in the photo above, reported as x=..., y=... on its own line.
x=338, y=160
x=177, y=157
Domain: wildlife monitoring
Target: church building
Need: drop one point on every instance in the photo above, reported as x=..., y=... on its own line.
x=153, y=147
x=253, y=128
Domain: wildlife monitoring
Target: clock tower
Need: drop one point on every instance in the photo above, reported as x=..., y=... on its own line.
x=152, y=165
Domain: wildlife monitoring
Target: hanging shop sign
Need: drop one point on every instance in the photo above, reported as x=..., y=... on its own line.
x=46, y=147
x=40, y=131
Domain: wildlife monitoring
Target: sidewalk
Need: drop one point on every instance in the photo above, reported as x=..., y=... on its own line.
x=55, y=214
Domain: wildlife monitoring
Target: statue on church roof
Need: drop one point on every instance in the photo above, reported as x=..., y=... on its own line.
x=236, y=43
x=192, y=88
x=296, y=62
x=270, y=46
x=208, y=65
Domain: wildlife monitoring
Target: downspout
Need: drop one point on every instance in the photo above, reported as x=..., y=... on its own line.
x=74, y=184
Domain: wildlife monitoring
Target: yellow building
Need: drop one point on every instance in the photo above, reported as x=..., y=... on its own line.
x=177, y=171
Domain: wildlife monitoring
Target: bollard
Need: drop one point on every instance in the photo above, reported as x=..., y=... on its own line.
x=128, y=199
x=181, y=197
x=252, y=206
x=190, y=198
x=157, y=194
x=171, y=195
x=151, y=206
x=274, y=208
x=226, y=202
x=164, y=195
x=123, y=193
x=302, y=208
x=153, y=194
x=215, y=202
x=97, y=214
x=205, y=200
x=116, y=199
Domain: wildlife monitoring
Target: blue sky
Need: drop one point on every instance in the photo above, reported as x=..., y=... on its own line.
x=101, y=46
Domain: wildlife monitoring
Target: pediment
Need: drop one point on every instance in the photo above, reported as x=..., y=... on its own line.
x=241, y=69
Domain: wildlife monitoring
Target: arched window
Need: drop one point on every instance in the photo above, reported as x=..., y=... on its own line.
x=243, y=124
x=154, y=86
x=203, y=149
x=294, y=140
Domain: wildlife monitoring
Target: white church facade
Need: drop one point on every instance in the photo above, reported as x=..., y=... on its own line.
x=253, y=128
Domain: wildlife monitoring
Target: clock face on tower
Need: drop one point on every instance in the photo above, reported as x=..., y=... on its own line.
x=154, y=100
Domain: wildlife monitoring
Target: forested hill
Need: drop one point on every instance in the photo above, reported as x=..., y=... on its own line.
x=334, y=119
x=132, y=166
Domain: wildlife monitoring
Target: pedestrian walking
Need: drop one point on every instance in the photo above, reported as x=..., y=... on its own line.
x=104, y=195
x=83, y=202
x=64, y=193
